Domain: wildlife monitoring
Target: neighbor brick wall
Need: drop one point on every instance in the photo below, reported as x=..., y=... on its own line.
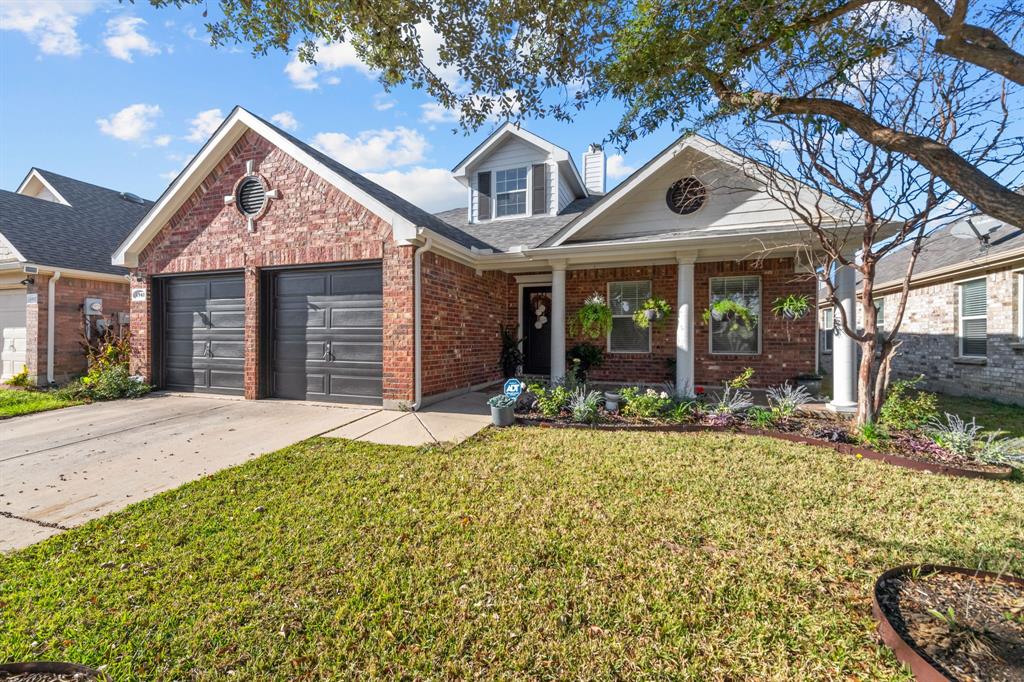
x=462, y=315
x=70, y=294
x=311, y=223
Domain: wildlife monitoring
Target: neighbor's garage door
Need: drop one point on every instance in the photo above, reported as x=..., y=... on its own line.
x=328, y=337
x=12, y=332
x=204, y=334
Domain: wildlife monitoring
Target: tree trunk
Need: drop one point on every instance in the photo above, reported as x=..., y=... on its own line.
x=867, y=411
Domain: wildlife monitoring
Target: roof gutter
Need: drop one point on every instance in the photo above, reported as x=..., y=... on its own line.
x=69, y=272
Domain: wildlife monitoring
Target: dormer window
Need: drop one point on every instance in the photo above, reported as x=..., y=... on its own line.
x=510, y=192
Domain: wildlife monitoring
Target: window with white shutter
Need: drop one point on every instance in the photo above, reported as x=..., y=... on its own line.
x=625, y=298
x=973, y=323
x=732, y=333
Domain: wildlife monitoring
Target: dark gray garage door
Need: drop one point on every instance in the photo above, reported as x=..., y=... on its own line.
x=204, y=334
x=328, y=334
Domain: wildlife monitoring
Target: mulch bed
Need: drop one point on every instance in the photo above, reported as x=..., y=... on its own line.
x=910, y=451
x=45, y=671
x=955, y=624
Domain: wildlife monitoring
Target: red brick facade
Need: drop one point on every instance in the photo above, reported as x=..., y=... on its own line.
x=462, y=316
x=311, y=223
x=69, y=322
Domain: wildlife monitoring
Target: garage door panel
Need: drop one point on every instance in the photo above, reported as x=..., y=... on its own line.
x=204, y=333
x=328, y=334
x=12, y=332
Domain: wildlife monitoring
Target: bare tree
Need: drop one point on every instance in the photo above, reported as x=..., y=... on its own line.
x=859, y=203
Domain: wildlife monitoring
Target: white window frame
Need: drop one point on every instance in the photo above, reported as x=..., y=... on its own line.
x=760, y=315
x=494, y=191
x=960, y=316
x=879, y=320
x=608, y=295
x=1020, y=305
x=828, y=329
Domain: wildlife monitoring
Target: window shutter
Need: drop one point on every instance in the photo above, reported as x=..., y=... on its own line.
x=540, y=188
x=483, y=189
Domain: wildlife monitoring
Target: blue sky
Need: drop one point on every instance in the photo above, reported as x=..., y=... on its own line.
x=123, y=95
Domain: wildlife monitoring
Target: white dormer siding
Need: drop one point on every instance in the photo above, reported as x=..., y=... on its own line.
x=565, y=193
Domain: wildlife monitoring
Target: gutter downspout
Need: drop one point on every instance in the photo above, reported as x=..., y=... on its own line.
x=418, y=322
x=51, y=294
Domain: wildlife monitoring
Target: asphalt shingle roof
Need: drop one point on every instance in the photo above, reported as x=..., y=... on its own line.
x=501, y=235
x=81, y=236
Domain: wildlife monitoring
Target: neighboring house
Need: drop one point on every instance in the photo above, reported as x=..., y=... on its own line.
x=56, y=237
x=269, y=269
x=964, y=323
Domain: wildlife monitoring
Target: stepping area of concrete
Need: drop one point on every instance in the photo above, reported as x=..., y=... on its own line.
x=60, y=469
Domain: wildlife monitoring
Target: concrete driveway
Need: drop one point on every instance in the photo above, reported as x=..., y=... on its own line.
x=60, y=469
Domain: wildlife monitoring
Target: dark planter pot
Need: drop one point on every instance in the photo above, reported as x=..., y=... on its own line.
x=812, y=384
x=503, y=416
x=923, y=666
x=69, y=670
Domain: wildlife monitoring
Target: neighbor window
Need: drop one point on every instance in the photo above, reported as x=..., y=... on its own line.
x=827, y=330
x=973, y=325
x=625, y=298
x=1020, y=306
x=735, y=315
x=879, y=314
x=510, y=192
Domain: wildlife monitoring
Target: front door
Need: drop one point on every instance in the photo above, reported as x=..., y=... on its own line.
x=536, y=325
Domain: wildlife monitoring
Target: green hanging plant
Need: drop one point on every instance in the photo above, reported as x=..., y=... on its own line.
x=792, y=307
x=653, y=310
x=735, y=313
x=594, y=319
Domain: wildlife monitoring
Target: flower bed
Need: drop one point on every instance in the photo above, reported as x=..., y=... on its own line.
x=948, y=446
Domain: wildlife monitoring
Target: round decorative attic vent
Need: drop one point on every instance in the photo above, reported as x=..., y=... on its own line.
x=252, y=195
x=686, y=196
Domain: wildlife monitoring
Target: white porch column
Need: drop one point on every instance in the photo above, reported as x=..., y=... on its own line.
x=844, y=348
x=557, y=322
x=684, y=323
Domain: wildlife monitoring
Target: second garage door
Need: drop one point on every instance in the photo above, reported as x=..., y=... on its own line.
x=328, y=337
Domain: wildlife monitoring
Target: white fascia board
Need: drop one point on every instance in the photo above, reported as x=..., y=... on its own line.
x=9, y=245
x=693, y=141
x=34, y=174
x=76, y=274
x=230, y=131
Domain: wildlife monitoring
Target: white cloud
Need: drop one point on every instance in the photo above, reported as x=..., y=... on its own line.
x=432, y=112
x=618, y=168
x=381, y=102
x=374, y=149
x=123, y=38
x=329, y=57
x=131, y=123
x=52, y=26
x=162, y=140
x=432, y=189
x=780, y=145
x=286, y=120
x=204, y=124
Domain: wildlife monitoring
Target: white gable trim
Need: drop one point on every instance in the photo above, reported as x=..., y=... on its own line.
x=190, y=179
x=7, y=242
x=34, y=174
x=693, y=141
x=557, y=154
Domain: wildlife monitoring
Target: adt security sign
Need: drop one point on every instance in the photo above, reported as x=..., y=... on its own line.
x=513, y=388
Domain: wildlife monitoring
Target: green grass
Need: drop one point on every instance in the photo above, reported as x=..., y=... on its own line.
x=14, y=403
x=991, y=415
x=520, y=554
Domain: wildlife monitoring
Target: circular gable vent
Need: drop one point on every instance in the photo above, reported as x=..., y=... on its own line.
x=252, y=195
x=686, y=196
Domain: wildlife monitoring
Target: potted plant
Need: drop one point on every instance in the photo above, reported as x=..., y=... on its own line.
x=651, y=310
x=792, y=307
x=594, y=319
x=612, y=400
x=511, y=358
x=502, y=410
x=585, y=357
x=730, y=311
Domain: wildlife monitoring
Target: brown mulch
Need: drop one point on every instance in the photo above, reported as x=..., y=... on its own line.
x=971, y=626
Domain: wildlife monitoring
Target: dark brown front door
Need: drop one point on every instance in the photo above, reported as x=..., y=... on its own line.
x=536, y=324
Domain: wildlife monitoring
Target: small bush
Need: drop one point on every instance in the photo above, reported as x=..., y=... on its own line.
x=550, y=401
x=786, y=399
x=761, y=417
x=19, y=379
x=584, y=405
x=108, y=376
x=998, y=450
x=644, y=403
x=908, y=407
x=873, y=434
x=683, y=411
x=732, y=401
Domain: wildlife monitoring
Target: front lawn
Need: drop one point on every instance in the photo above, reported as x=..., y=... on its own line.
x=14, y=403
x=991, y=415
x=524, y=553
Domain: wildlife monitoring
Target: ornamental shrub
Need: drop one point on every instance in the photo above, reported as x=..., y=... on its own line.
x=550, y=401
x=644, y=403
x=908, y=407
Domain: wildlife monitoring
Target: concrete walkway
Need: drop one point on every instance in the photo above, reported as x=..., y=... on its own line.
x=60, y=469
